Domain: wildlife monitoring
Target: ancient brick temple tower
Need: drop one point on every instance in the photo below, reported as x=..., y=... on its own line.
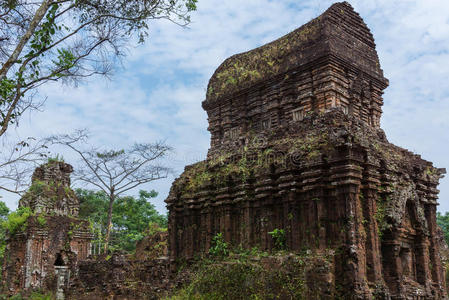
x=45, y=251
x=296, y=144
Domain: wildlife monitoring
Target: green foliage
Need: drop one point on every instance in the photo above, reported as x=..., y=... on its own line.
x=244, y=279
x=4, y=211
x=219, y=247
x=66, y=60
x=278, y=236
x=42, y=37
x=37, y=187
x=131, y=217
x=263, y=62
x=237, y=281
x=55, y=159
x=50, y=190
x=36, y=295
x=191, y=5
x=41, y=221
x=70, y=40
x=9, y=4
x=41, y=296
x=110, y=154
x=16, y=221
x=93, y=205
x=6, y=89
x=252, y=158
x=7, y=94
x=380, y=216
x=443, y=222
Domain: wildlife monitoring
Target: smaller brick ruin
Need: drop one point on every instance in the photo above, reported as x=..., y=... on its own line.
x=50, y=191
x=47, y=251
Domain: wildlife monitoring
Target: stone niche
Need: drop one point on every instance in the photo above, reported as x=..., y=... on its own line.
x=296, y=144
x=46, y=252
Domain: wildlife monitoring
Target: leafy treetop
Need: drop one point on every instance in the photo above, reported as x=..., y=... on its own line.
x=52, y=40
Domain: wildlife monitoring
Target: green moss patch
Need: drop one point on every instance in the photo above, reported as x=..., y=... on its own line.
x=243, y=70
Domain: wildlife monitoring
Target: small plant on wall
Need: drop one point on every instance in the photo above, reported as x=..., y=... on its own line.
x=278, y=236
x=219, y=247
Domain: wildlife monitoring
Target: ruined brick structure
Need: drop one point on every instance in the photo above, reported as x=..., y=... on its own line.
x=122, y=278
x=44, y=253
x=59, y=199
x=296, y=144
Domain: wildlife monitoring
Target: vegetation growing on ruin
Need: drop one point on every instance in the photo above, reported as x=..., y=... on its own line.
x=35, y=295
x=50, y=190
x=247, y=68
x=255, y=275
x=55, y=159
x=219, y=247
x=279, y=238
x=241, y=165
x=41, y=221
x=16, y=221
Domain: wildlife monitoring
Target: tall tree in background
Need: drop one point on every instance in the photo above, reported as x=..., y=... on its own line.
x=443, y=222
x=131, y=217
x=4, y=211
x=52, y=40
x=116, y=171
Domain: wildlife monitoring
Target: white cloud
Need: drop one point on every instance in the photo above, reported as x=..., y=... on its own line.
x=158, y=94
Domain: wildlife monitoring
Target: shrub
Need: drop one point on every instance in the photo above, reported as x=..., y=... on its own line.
x=278, y=236
x=219, y=246
x=40, y=296
x=56, y=159
x=16, y=221
x=246, y=279
x=41, y=221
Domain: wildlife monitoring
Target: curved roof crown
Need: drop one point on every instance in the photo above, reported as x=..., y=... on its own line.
x=339, y=31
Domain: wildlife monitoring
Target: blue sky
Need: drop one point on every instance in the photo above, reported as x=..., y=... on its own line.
x=157, y=93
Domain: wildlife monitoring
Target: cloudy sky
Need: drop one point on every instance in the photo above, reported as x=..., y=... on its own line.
x=157, y=93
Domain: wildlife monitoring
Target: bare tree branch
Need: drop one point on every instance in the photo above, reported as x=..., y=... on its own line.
x=115, y=171
x=18, y=161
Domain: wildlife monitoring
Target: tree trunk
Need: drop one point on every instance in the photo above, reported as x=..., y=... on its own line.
x=109, y=225
x=38, y=16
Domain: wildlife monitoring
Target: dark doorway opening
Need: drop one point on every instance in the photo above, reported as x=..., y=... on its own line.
x=59, y=261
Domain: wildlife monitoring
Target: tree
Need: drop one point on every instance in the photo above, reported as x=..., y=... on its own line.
x=116, y=171
x=443, y=222
x=54, y=40
x=4, y=211
x=131, y=216
x=94, y=207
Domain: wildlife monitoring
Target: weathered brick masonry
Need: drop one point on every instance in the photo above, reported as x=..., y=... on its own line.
x=47, y=252
x=296, y=144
